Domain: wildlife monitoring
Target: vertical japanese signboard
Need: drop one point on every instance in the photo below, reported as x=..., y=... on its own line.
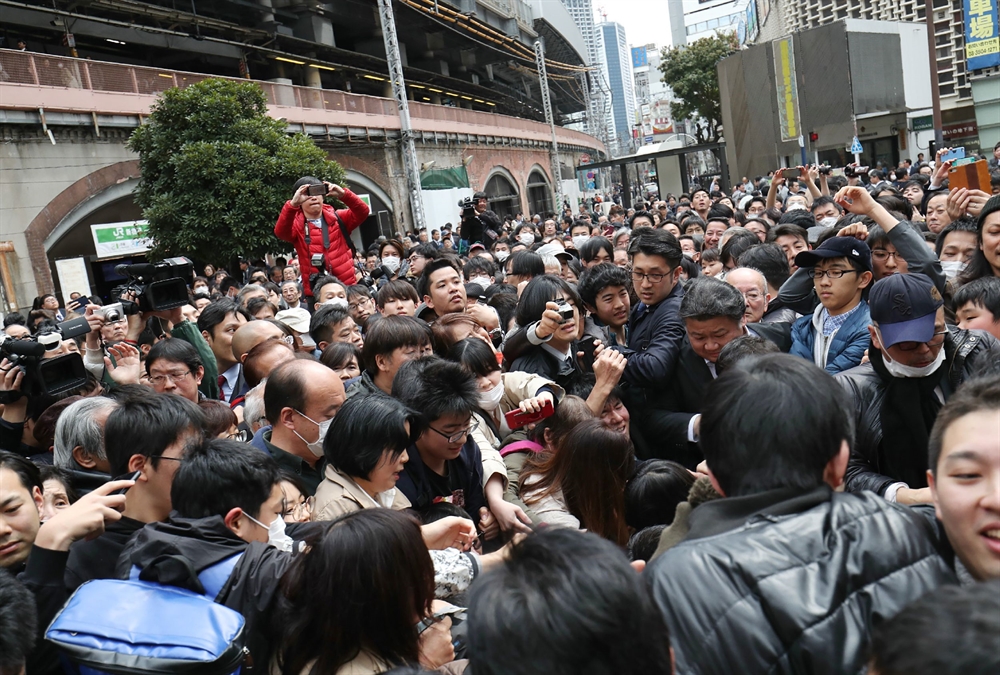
x=788, y=91
x=982, y=37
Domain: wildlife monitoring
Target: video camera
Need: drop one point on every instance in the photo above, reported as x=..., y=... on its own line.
x=468, y=206
x=856, y=171
x=156, y=286
x=50, y=377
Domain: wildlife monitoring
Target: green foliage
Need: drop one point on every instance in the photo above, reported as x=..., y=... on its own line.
x=689, y=70
x=216, y=171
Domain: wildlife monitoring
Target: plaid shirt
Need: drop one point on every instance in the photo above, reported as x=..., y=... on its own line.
x=832, y=324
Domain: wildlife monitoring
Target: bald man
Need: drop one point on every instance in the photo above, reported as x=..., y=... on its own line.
x=753, y=286
x=246, y=337
x=301, y=397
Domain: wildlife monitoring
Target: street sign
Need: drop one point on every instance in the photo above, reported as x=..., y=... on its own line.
x=112, y=240
x=856, y=148
x=924, y=123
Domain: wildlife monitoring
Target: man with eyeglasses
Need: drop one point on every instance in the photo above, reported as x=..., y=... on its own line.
x=445, y=463
x=916, y=363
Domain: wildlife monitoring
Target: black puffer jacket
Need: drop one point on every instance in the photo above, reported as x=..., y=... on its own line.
x=967, y=354
x=794, y=585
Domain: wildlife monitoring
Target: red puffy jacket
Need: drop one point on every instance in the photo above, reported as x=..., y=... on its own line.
x=291, y=228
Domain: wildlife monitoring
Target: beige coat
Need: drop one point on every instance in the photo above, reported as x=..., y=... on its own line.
x=339, y=494
x=517, y=386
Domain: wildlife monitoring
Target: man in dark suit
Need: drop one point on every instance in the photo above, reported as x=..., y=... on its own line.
x=713, y=315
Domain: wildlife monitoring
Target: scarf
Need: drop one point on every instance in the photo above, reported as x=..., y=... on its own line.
x=908, y=411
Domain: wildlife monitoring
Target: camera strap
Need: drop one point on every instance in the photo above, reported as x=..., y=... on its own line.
x=326, y=234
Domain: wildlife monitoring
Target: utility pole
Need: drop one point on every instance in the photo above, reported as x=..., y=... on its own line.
x=543, y=81
x=410, y=166
x=935, y=94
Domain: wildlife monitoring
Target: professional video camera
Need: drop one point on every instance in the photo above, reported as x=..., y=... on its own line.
x=468, y=206
x=42, y=376
x=156, y=286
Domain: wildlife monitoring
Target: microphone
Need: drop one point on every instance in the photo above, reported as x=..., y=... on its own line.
x=22, y=347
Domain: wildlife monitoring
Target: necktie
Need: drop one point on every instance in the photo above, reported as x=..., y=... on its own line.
x=222, y=380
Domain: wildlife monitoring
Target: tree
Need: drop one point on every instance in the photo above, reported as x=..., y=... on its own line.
x=216, y=170
x=689, y=70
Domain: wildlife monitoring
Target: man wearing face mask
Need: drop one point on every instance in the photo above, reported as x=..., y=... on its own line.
x=300, y=401
x=482, y=226
x=227, y=516
x=916, y=363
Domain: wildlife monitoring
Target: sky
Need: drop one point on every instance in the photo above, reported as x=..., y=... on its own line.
x=645, y=21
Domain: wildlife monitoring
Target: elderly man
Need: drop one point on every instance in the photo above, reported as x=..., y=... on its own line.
x=78, y=448
x=753, y=286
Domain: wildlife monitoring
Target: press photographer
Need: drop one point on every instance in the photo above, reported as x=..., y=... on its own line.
x=479, y=224
x=321, y=234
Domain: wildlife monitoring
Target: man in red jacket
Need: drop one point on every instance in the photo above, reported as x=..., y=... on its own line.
x=319, y=232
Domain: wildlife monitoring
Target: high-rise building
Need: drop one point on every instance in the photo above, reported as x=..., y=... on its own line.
x=702, y=18
x=618, y=64
x=582, y=12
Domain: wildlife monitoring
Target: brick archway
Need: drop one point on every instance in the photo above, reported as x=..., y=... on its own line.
x=61, y=206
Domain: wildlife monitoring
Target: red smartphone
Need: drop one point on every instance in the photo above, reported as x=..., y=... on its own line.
x=517, y=419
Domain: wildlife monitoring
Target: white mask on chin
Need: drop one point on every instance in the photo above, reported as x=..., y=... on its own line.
x=897, y=369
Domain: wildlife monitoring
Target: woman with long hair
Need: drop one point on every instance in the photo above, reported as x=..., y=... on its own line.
x=582, y=485
x=360, y=601
x=986, y=260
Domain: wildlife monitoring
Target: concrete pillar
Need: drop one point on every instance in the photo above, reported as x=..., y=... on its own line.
x=313, y=78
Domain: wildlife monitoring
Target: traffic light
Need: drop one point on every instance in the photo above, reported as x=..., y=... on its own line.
x=813, y=137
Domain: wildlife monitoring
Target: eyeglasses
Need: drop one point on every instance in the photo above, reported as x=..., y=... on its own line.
x=936, y=341
x=300, y=510
x=752, y=296
x=833, y=274
x=242, y=435
x=173, y=377
x=458, y=435
x=882, y=254
x=652, y=278
x=355, y=306
x=414, y=258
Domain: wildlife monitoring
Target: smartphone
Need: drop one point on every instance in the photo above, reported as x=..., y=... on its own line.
x=974, y=176
x=953, y=154
x=587, y=346
x=74, y=305
x=129, y=476
x=789, y=174
x=517, y=419
x=316, y=190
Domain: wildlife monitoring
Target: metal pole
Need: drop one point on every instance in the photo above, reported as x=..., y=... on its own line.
x=543, y=81
x=410, y=165
x=935, y=94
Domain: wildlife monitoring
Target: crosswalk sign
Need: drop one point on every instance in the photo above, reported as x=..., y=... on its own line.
x=856, y=148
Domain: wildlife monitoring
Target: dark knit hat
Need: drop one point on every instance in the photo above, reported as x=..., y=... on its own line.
x=992, y=204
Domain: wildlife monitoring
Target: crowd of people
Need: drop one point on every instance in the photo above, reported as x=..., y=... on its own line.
x=754, y=432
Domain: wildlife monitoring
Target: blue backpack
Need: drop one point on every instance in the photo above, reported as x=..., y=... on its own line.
x=141, y=627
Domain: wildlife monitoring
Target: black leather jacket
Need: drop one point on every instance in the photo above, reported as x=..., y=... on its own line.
x=785, y=582
x=967, y=353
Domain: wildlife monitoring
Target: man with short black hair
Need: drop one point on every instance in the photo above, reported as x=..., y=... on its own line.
x=851, y=558
x=300, y=400
x=563, y=603
x=392, y=341
x=18, y=621
x=604, y=291
x=701, y=203
x=217, y=323
x=443, y=292
x=333, y=323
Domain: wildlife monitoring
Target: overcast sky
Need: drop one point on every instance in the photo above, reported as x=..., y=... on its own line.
x=645, y=21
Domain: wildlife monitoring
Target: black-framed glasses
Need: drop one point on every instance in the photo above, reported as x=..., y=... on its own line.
x=458, y=435
x=653, y=278
x=241, y=435
x=937, y=339
x=173, y=377
x=833, y=274
x=881, y=254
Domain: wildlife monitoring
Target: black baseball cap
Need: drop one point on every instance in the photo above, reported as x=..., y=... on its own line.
x=837, y=247
x=904, y=306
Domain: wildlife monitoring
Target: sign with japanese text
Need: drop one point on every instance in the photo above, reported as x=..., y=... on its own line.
x=112, y=240
x=982, y=37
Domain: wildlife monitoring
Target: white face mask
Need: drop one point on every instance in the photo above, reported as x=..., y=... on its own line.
x=579, y=240
x=391, y=263
x=338, y=302
x=502, y=255
x=489, y=400
x=315, y=447
x=276, y=536
x=952, y=268
x=689, y=255
x=526, y=238
x=201, y=289
x=897, y=369
x=829, y=221
x=482, y=281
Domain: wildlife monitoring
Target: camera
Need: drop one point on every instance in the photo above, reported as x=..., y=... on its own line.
x=111, y=313
x=856, y=171
x=825, y=169
x=156, y=286
x=565, y=310
x=49, y=377
x=468, y=206
x=316, y=260
x=316, y=190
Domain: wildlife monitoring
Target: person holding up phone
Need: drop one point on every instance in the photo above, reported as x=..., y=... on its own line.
x=320, y=233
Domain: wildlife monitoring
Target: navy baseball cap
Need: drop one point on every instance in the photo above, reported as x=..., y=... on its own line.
x=837, y=247
x=904, y=306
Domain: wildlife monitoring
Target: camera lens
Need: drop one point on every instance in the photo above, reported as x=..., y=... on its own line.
x=114, y=316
